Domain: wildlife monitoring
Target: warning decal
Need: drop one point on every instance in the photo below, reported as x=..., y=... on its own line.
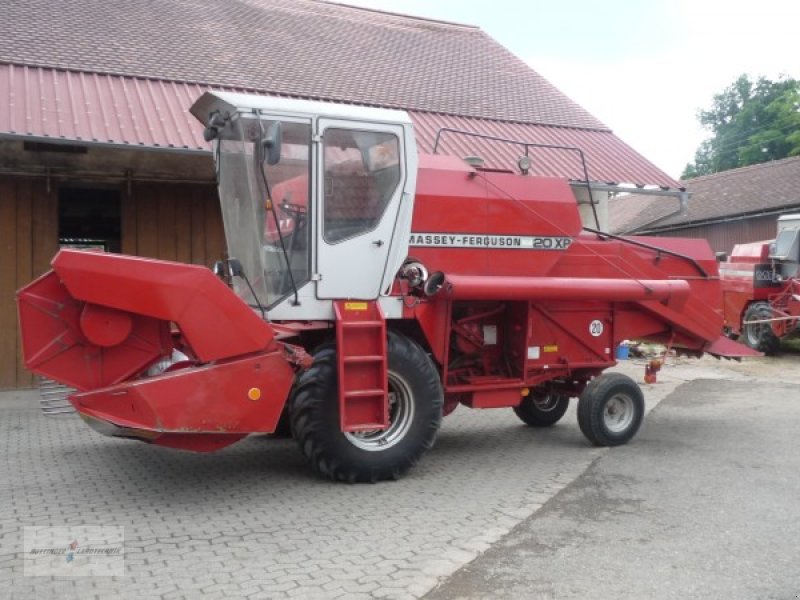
x=355, y=306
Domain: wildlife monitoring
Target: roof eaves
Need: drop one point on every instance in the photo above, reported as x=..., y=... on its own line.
x=722, y=219
x=81, y=141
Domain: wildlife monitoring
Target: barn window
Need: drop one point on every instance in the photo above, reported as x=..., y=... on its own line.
x=89, y=218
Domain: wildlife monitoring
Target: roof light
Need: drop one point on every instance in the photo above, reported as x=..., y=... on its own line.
x=524, y=164
x=474, y=161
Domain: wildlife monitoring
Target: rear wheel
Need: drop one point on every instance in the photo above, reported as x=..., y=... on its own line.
x=610, y=409
x=541, y=409
x=760, y=336
x=415, y=414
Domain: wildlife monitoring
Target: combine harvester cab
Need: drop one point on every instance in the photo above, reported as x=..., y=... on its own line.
x=373, y=290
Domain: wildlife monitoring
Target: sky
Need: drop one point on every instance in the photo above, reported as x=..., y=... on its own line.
x=643, y=67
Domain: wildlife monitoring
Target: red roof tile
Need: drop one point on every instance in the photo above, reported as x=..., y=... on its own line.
x=125, y=72
x=294, y=47
x=128, y=111
x=88, y=107
x=608, y=159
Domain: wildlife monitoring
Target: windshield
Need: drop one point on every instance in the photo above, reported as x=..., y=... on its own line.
x=265, y=207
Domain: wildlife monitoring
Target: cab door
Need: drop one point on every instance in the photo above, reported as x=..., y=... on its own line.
x=361, y=179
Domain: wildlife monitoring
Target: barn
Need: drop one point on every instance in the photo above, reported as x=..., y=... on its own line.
x=98, y=150
x=728, y=208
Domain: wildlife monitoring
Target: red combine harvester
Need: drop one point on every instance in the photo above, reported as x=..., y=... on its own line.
x=373, y=290
x=761, y=288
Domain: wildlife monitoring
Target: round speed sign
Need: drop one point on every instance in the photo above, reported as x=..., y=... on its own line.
x=596, y=328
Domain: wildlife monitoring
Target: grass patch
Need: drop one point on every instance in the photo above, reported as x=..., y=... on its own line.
x=791, y=345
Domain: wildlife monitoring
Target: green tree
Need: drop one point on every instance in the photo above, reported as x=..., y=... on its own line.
x=750, y=122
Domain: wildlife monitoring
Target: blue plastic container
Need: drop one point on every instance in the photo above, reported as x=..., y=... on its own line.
x=622, y=352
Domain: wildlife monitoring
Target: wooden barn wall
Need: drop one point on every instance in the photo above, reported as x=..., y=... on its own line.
x=724, y=236
x=180, y=222
x=28, y=240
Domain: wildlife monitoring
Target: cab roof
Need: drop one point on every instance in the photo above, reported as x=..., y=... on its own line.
x=232, y=102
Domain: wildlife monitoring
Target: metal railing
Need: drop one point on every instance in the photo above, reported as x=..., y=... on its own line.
x=527, y=146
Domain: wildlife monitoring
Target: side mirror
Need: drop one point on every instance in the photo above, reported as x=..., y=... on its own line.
x=235, y=267
x=272, y=143
x=215, y=122
x=228, y=269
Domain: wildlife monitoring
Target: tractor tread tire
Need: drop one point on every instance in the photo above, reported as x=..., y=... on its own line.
x=591, y=407
x=314, y=410
x=533, y=416
x=765, y=339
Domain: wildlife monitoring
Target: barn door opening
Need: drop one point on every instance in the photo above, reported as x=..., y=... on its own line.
x=89, y=218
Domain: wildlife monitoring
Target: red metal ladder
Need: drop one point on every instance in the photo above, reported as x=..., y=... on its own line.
x=362, y=365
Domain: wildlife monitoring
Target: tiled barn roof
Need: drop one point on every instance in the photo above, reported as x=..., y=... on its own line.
x=125, y=72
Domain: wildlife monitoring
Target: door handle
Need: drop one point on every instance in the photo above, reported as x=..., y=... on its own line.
x=378, y=243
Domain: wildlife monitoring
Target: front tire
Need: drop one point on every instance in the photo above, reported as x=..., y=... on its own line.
x=415, y=402
x=610, y=410
x=542, y=410
x=760, y=336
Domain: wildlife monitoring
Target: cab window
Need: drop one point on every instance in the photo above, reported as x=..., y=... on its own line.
x=362, y=173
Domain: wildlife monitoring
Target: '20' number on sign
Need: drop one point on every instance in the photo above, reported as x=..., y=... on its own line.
x=596, y=328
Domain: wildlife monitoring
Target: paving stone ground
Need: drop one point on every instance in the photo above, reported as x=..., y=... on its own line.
x=704, y=506
x=252, y=521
